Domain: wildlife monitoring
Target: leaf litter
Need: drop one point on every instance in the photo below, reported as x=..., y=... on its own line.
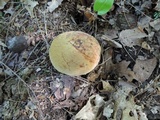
x=132, y=37
x=3, y=3
x=125, y=84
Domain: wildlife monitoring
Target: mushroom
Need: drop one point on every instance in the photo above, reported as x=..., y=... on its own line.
x=74, y=53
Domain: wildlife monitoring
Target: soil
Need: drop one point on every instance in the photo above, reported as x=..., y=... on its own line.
x=32, y=89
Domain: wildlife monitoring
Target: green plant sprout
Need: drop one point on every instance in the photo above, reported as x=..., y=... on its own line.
x=156, y=15
x=102, y=6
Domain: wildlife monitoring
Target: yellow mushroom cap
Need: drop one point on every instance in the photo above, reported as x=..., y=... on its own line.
x=74, y=53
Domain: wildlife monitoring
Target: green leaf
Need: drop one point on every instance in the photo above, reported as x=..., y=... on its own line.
x=102, y=6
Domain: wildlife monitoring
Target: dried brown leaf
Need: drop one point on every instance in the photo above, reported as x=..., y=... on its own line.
x=90, y=111
x=107, y=64
x=62, y=87
x=132, y=37
x=155, y=24
x=141, y=70
x=107, y=87
x=144, y=68
x=123, y=70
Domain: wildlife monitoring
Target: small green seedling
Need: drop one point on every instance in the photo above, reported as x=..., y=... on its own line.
x=156, y=15
x=102, y=6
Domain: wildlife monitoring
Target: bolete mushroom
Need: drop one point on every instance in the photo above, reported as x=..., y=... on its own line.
x=74, y=53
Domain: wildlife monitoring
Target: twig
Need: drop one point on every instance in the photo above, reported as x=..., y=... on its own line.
x=47, y=44
x=138, y=10
x=40, y=111
x=81, y=79
x=45, y=26
x=58, y=24
x=31, y=54
x=127, y=51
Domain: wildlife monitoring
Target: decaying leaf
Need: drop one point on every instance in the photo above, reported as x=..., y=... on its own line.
x=53, y=5
x=141, y=70
x=144, y=68
x=29, y=5
x=89, y=16
x=123, y=70
x=157, y=6
x=155, y=24
x=111, y=33
x=124, y=107
x=120, y=108
x=81, y=93
x=107, y=87
x=62, y=87
x=132, y=37
x=3, y=3
x=146, y=46
x=107, y=63
x=108, y=111
x=92, y=76
x=144, y=22
x=147, y=4
x=90, y=110
x=126, y=21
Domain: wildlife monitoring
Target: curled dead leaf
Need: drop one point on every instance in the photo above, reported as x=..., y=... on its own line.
x=3, y=3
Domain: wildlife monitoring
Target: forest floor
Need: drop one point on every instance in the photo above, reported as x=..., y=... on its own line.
x=124, y=86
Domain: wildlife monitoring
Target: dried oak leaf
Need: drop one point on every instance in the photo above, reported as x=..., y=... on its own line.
x=142, y=69
x=90, y=110
x=123, y=107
